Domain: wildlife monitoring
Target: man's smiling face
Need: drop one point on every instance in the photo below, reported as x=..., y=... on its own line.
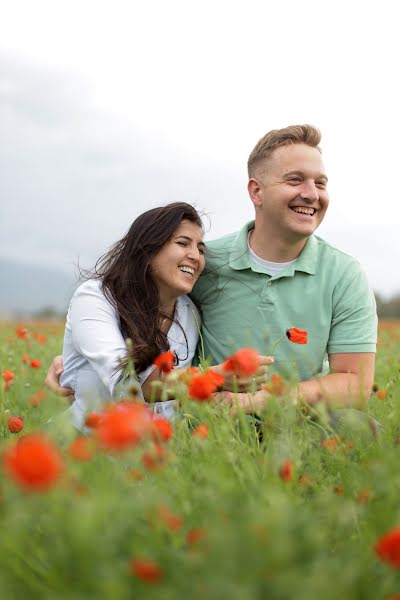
x=293, y=191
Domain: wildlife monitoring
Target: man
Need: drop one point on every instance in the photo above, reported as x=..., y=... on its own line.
x=275, y=274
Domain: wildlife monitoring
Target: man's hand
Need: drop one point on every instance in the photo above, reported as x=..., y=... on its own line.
x=248, y=403
x=253, y=383
x=53, y=379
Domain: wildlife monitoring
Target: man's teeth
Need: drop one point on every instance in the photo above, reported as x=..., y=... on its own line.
x=187, y=270
x=304, y=210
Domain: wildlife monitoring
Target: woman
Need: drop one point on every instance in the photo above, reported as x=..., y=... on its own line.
x=137, y=290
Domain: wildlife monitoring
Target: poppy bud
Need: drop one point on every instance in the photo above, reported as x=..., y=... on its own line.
x=165, y=361
x=297, y=336
x=15, y=424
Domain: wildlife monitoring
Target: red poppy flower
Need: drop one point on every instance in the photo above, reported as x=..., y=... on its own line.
x=21, y=332
x=216, y=378
x=146, y=569
x=172, y=521
x=203, y=386
x=286, y=471
x=25, y=358
x=276, y=385
x=195, y=535
x=15, y=424
x=123, y=426
x=331, y=443
x=364, y=496
x=297, y=336
x=136, y=474
x=244, y=362
x=7, y=375
x=382, y=394
x=388, y=548
x=36, y=363
x=33, y=462
x=187, y=375
x=41, y=339
x=165, y=361
x=37, y=398
x=162, y=429
x=154, y=459
x=306, y=480
x=201, y=431
x=80, y=449
x=92, y=420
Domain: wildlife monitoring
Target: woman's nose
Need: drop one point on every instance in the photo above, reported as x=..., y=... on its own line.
x=193, y=253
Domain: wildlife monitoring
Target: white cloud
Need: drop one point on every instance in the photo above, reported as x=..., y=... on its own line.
x=110, y=108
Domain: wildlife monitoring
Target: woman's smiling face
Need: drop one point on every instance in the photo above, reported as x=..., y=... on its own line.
x=179, y=263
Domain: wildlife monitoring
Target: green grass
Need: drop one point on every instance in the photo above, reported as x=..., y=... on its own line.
x=263, y=537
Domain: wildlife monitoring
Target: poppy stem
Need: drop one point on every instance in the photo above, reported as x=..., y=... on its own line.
x=202, y=357
x=274, y=345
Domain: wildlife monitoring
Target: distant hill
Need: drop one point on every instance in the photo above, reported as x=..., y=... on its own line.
x=28, y=288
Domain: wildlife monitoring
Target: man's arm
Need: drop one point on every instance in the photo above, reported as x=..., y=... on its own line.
x=349, y=383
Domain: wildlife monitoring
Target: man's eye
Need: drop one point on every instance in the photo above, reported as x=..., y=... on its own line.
x=321, y=184
x=294, y=180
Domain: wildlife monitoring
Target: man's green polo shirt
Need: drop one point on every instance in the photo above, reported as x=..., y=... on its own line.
x=324, y=292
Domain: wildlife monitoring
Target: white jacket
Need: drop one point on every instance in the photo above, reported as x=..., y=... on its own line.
x=93, y=346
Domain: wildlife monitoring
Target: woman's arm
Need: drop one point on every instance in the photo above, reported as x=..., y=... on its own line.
x=96, y=334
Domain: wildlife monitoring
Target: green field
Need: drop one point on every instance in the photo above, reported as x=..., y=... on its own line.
x=296, y=515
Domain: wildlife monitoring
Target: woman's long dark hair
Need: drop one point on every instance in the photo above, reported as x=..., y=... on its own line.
x=128, y=283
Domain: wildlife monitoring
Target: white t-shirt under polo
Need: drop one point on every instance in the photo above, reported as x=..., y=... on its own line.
x=271, y=268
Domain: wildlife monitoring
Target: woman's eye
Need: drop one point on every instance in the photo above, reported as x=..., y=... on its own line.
x=182, y=243
x=202, y=251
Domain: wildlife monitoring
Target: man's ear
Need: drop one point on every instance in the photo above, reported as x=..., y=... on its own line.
x=254, y=188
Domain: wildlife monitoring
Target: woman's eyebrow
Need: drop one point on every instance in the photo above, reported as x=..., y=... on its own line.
x=189, y=239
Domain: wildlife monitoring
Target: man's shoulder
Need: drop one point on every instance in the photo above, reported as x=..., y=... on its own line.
x=222, y=243
x=329, y=253
x=219, y=250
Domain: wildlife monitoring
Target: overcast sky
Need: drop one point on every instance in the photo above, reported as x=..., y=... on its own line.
x=110, y=108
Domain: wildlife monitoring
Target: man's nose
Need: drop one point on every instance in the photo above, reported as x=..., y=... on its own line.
x=309, y=191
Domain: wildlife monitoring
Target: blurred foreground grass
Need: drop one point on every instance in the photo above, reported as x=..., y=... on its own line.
x=217, y=517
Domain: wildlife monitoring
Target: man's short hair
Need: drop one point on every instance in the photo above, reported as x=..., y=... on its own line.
x=294, y=134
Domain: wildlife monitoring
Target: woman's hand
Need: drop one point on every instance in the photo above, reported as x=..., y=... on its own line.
x=155, y=388
x=52, y=380
x=233, y=383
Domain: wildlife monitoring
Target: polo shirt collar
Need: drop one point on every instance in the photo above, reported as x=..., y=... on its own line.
x=239, y=256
